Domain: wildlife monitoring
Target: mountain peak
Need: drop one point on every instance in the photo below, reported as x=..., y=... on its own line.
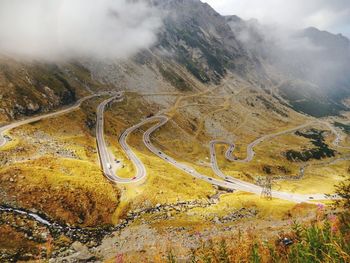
x=325, y=37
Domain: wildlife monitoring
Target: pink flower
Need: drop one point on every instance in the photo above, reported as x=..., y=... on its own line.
x=332, y=218
x=334, y=229
x=119, y=258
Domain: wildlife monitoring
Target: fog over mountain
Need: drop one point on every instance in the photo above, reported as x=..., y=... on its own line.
x=333, y=16
x=309, y=62
x=52, y=30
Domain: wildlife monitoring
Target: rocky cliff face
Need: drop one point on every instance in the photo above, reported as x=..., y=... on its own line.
x=200, y=39
x=197, y=38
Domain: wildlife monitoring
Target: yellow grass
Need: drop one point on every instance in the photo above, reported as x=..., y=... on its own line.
x=317, y=179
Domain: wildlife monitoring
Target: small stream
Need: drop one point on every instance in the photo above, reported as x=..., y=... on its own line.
x=85, y=235
x=29, y=214
x=75, y=233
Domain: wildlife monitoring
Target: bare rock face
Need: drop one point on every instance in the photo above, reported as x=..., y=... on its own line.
x=202, y=40
x=194, y=37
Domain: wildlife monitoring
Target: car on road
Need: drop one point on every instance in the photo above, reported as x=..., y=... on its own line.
x=109, y=166
x=134, y=178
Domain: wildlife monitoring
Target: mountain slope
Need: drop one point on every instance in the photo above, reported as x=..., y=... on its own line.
x=195, y=39
x=28, y=88
x=311, y=64
x=200, y=39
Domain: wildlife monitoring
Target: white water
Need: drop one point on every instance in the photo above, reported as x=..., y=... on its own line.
x=32, y=215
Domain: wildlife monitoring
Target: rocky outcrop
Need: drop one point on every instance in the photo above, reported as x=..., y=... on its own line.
x=202, y=41
x=236, y=215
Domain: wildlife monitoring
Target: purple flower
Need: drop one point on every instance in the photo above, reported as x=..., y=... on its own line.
x=320, y=206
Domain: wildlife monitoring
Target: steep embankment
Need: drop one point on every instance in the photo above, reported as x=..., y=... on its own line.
x=28, y=88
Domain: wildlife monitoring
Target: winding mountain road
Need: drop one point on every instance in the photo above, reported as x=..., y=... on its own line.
x=228, y=182
x=75, y=106
x=250, y=149
x=108, y=162
x=162, y=120
x=107, y=159
x=338, y=137
x=251, y=146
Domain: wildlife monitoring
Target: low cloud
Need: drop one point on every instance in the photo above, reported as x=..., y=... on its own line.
x=331, y=15
x=68, y=29
x=311, y=55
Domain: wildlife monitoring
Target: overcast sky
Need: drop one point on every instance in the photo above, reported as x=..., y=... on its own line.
x=64, y=29
x=331, y=15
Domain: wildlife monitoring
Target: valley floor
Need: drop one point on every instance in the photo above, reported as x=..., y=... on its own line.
x=50, y=169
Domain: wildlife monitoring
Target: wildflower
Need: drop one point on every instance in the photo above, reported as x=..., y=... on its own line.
x=320, y=206
x=119, y=258
x=332, y=218
x=334, y=222
x=334, y=228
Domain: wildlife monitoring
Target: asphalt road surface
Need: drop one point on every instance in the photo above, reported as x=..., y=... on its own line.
x=107, y=159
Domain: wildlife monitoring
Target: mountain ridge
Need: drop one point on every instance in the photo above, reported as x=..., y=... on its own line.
x=209, y=46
